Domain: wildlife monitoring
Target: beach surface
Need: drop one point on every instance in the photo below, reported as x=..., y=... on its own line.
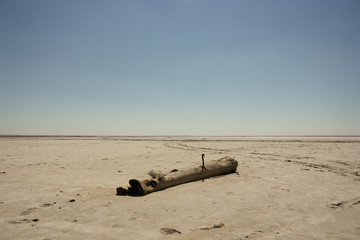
x=284, y=188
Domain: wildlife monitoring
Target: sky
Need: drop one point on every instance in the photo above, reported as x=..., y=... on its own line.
x=180, y=67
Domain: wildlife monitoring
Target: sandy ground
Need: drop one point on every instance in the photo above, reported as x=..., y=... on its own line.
x=285, y=188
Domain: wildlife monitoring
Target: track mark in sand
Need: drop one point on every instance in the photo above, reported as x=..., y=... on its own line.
x=48, y=204
x=169, y=231
x=342, y=163
x=220, y=225
x=262, y=231
x=28, y=211
x=339, y=204
x=186, y=147
x=118, y=226
x=282, y=156
x=346, y=204
x=266, y=154
x=180, y=146
x=174, y=147
x=202, y=148
x=25, y=220
x=322, y=167
x=33, y=209
x=71, y=220
x=33, y=164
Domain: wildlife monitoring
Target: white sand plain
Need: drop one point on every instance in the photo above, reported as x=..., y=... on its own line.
x=285, y=188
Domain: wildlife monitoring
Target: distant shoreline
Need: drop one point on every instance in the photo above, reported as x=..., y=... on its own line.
x=186, y=138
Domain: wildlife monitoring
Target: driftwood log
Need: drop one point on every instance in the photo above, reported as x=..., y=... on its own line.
x=161, y=181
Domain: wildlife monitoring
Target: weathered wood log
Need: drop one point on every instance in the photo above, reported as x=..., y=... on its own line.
x=213, y=168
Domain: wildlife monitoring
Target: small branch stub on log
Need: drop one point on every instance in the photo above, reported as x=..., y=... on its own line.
x=222, y=166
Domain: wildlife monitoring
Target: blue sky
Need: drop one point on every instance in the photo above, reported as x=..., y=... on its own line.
x=167, y=67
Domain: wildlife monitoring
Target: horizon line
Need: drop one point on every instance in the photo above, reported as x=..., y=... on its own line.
x=180, y=135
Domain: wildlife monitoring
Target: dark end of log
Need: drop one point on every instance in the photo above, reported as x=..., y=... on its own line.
x=120, y=191
x=135, y=189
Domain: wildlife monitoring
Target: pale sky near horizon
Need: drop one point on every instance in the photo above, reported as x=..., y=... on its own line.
x=191, y=67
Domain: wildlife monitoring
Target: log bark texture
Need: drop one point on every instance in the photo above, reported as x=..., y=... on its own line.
x=222, y=166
